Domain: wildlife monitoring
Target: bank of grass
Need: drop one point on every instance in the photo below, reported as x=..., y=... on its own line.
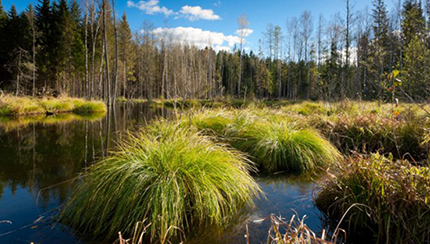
x=169, y=175
x=19, y=106
x=386, y=198
x=274, y=144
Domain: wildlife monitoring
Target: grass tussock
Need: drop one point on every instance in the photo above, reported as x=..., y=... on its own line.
x=378, y=195
x=273, y=143
x=171, y=176
x=18, y=106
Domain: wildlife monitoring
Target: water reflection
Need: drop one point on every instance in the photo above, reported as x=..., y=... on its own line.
x=38, y=155
x=285, y=195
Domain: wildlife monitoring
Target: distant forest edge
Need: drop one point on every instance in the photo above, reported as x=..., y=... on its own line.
x=84, y=50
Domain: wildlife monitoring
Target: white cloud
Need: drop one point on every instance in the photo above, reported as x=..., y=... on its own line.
x=244, y=32
x=194, y=13
x=191, y=13
x=198, y=37
x=150, y=7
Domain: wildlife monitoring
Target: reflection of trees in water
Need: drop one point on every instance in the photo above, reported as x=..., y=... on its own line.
x=38, y=155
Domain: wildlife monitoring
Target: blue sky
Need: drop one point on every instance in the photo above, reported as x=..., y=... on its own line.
x=215, y=21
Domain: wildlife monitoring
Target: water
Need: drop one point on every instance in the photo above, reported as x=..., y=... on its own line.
x=39, y=156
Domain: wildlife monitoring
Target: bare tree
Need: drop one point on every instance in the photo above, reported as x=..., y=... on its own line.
x=31, y=19
x=242, y=32
x=307, y=28
x=87, y=83
x=319, y=39
x=106, y=56
x=115, y=71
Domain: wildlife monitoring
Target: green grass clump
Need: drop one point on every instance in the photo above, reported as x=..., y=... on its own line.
x=15, y=106
x=274, y=143
x=169, y=175
x=88, y=107
x=279, y=146
x=57, y=105
x=389, y=199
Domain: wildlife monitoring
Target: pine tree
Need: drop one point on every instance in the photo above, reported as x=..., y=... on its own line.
x=126, y=55
x=3, y=50
x=380, y=45
x=34, y=35
x=413, y=21
x=18, y=42
x=44, y=43
x=417, y=69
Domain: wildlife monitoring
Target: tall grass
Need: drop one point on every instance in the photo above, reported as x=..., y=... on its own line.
x=17, y=106
x=275, y=144
x=14, y=106
x=170, y=176
x=378, y=133
x=378, y=195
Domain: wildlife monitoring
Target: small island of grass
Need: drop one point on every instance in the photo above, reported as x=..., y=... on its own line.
x=14, y=106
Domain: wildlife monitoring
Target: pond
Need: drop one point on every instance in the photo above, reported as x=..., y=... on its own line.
x=40, y=156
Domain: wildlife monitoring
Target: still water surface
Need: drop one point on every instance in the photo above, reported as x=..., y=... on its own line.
x=38, y=159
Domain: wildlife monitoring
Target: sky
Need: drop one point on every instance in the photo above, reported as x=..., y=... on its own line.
x=214, y=22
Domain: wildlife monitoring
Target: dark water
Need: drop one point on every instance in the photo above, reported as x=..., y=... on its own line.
x=39, y=156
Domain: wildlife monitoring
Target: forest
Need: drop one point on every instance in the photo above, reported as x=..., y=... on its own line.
x=84, y=50
x=318, y=134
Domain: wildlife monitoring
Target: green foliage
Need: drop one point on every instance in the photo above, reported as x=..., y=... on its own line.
x=416, y=68
x=381, y=196
x=169, y=175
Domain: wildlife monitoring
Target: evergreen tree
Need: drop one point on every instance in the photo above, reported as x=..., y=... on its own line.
x=413, y=21
x=417, y=69
x=380, y=47
x=19, y=43
x=44, y=43
x=3, y=50
x=126, y=55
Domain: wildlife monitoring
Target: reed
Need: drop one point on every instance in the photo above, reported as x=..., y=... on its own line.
x=169, y=175
x=386, y=198
x=295, y=231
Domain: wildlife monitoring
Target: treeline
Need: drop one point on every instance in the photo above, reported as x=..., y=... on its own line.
x=84, y=51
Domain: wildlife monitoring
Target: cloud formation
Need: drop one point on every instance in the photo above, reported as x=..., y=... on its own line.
x=150, y=7
x=198, y=37
x=194, y=13
x=244, y=32
x=191, y=13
